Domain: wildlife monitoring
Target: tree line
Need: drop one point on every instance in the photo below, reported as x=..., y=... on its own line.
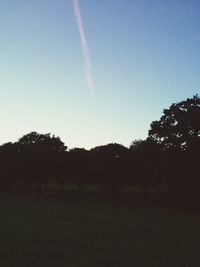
x=166, y=162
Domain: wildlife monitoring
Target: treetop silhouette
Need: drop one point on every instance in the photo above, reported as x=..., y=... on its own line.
x=179, y=127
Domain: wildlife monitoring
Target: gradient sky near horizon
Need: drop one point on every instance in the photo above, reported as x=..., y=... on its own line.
x=145, y=55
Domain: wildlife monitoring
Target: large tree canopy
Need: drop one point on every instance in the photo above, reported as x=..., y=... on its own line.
x=41, y=143
x=179, y=127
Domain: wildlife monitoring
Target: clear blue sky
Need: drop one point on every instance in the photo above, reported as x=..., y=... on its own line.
x=145, y=55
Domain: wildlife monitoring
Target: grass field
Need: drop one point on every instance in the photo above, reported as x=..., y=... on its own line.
x=89, y=231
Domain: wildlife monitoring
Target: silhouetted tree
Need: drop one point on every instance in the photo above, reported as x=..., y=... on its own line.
x=178, y=132
x=168, y=158
x=9, y=165
x=179, y=127
x=40, y=153
x=43, y=143
x=80, y=167
x=146, y=162
x=110, y=166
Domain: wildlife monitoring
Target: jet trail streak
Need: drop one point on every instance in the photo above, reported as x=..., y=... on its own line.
x=84, y=46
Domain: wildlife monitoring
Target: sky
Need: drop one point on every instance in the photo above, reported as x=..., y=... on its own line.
x=144, y=55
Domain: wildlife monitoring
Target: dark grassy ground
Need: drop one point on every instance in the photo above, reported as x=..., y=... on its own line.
x=89, y=231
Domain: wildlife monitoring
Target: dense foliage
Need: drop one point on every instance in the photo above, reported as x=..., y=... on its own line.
x=166, y=162
x=179, y=127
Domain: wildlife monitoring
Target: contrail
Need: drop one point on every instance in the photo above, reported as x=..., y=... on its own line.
x=84, y=46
